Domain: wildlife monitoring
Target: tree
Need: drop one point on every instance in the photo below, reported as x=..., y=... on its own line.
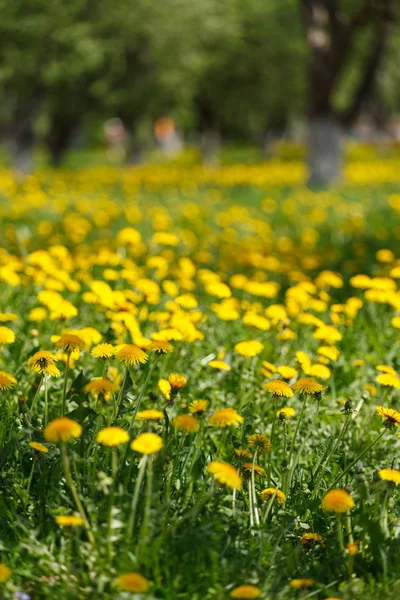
x=334, y=29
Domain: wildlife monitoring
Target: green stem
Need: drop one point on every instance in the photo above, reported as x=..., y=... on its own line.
x=114, y=468
x=321, y=471
x=272, y=447
x=46, y=402
x=251, y=506
x=74, y=492
x=35, y=397
x=384, y=514
x=351, y=465
x=297, y=430
x=135, y=498
x=340, y=532
x=28, y=486
x=64, y=397
x=147, y=506
x=253, y=491
x=142, y=393
x=119, y=397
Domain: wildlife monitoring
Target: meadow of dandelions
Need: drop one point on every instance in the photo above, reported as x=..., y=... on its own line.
x=199, y=385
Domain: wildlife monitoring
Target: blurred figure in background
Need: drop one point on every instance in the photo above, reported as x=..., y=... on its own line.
x=116, y=138
x=167, y=137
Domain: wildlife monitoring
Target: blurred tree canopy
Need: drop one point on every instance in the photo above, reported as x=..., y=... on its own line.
x=226, y=66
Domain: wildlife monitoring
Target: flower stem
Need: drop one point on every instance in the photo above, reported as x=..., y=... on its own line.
x=147, y=506
x=114, y=468
x=74, y=492
x=340, y=532
x=46, y=401
x=272, y=447
x=28, y=486
x=119, y=397
x=142, y=393
x=253, y=491
x=321, y=469
x=384, y=513
x=135, y=498
x=251, y=506
x=35, y=397
x=64, y=397
x=288, y=483
x=351, y=465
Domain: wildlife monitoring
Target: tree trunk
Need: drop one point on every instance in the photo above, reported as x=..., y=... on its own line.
x=211, y=144
x=23, y=147
x=325, y=150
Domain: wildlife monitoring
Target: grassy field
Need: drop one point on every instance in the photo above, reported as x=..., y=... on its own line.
x=199, y=384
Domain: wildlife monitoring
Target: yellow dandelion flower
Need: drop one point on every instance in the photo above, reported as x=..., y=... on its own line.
x=132, y=582
x=280, y=497
x=249, y=349
x=68, y=521
x=245, y=592
x=386, y=369
x=352, y=548
x=177, y=381
x=320, y=371
x=338, y=501
x=62, y=429
x=286, y=372
x=112, y=436
x=8, y=317
x=37, y=314
x=225, y=417
x=150, y=415
x=309, y=539
x=160, y=346
x=330, y=352
x=269, y=366
x=286, y=412
x=371, y=389
x=101, y=388
x=395, y=322
x=390, y=416
x=308, y=386
x=388, y=379
x=147, y=443
x=186, y=423
x=248, y=467
x=242, y=453
x=69, y=342
x=257, y=321
x=225, y=473
x=220, y=365
x=7, y=336
x=385, y=256
x=165, y=388
x=391, y=475
x=301, y=583
x=103, y=351
x=43, y=362
x=5, y=573
x=328, y=333
x=131, y=355
x=198, y=406
x=7, y=381
x=38, y=447
x=259, y=441
x=277, y=387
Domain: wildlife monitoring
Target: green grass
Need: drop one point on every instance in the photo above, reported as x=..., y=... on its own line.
x=190, y=540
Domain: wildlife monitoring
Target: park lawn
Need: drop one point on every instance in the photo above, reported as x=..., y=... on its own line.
x=214, y=291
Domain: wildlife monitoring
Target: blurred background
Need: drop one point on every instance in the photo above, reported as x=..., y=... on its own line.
x=212, y=81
